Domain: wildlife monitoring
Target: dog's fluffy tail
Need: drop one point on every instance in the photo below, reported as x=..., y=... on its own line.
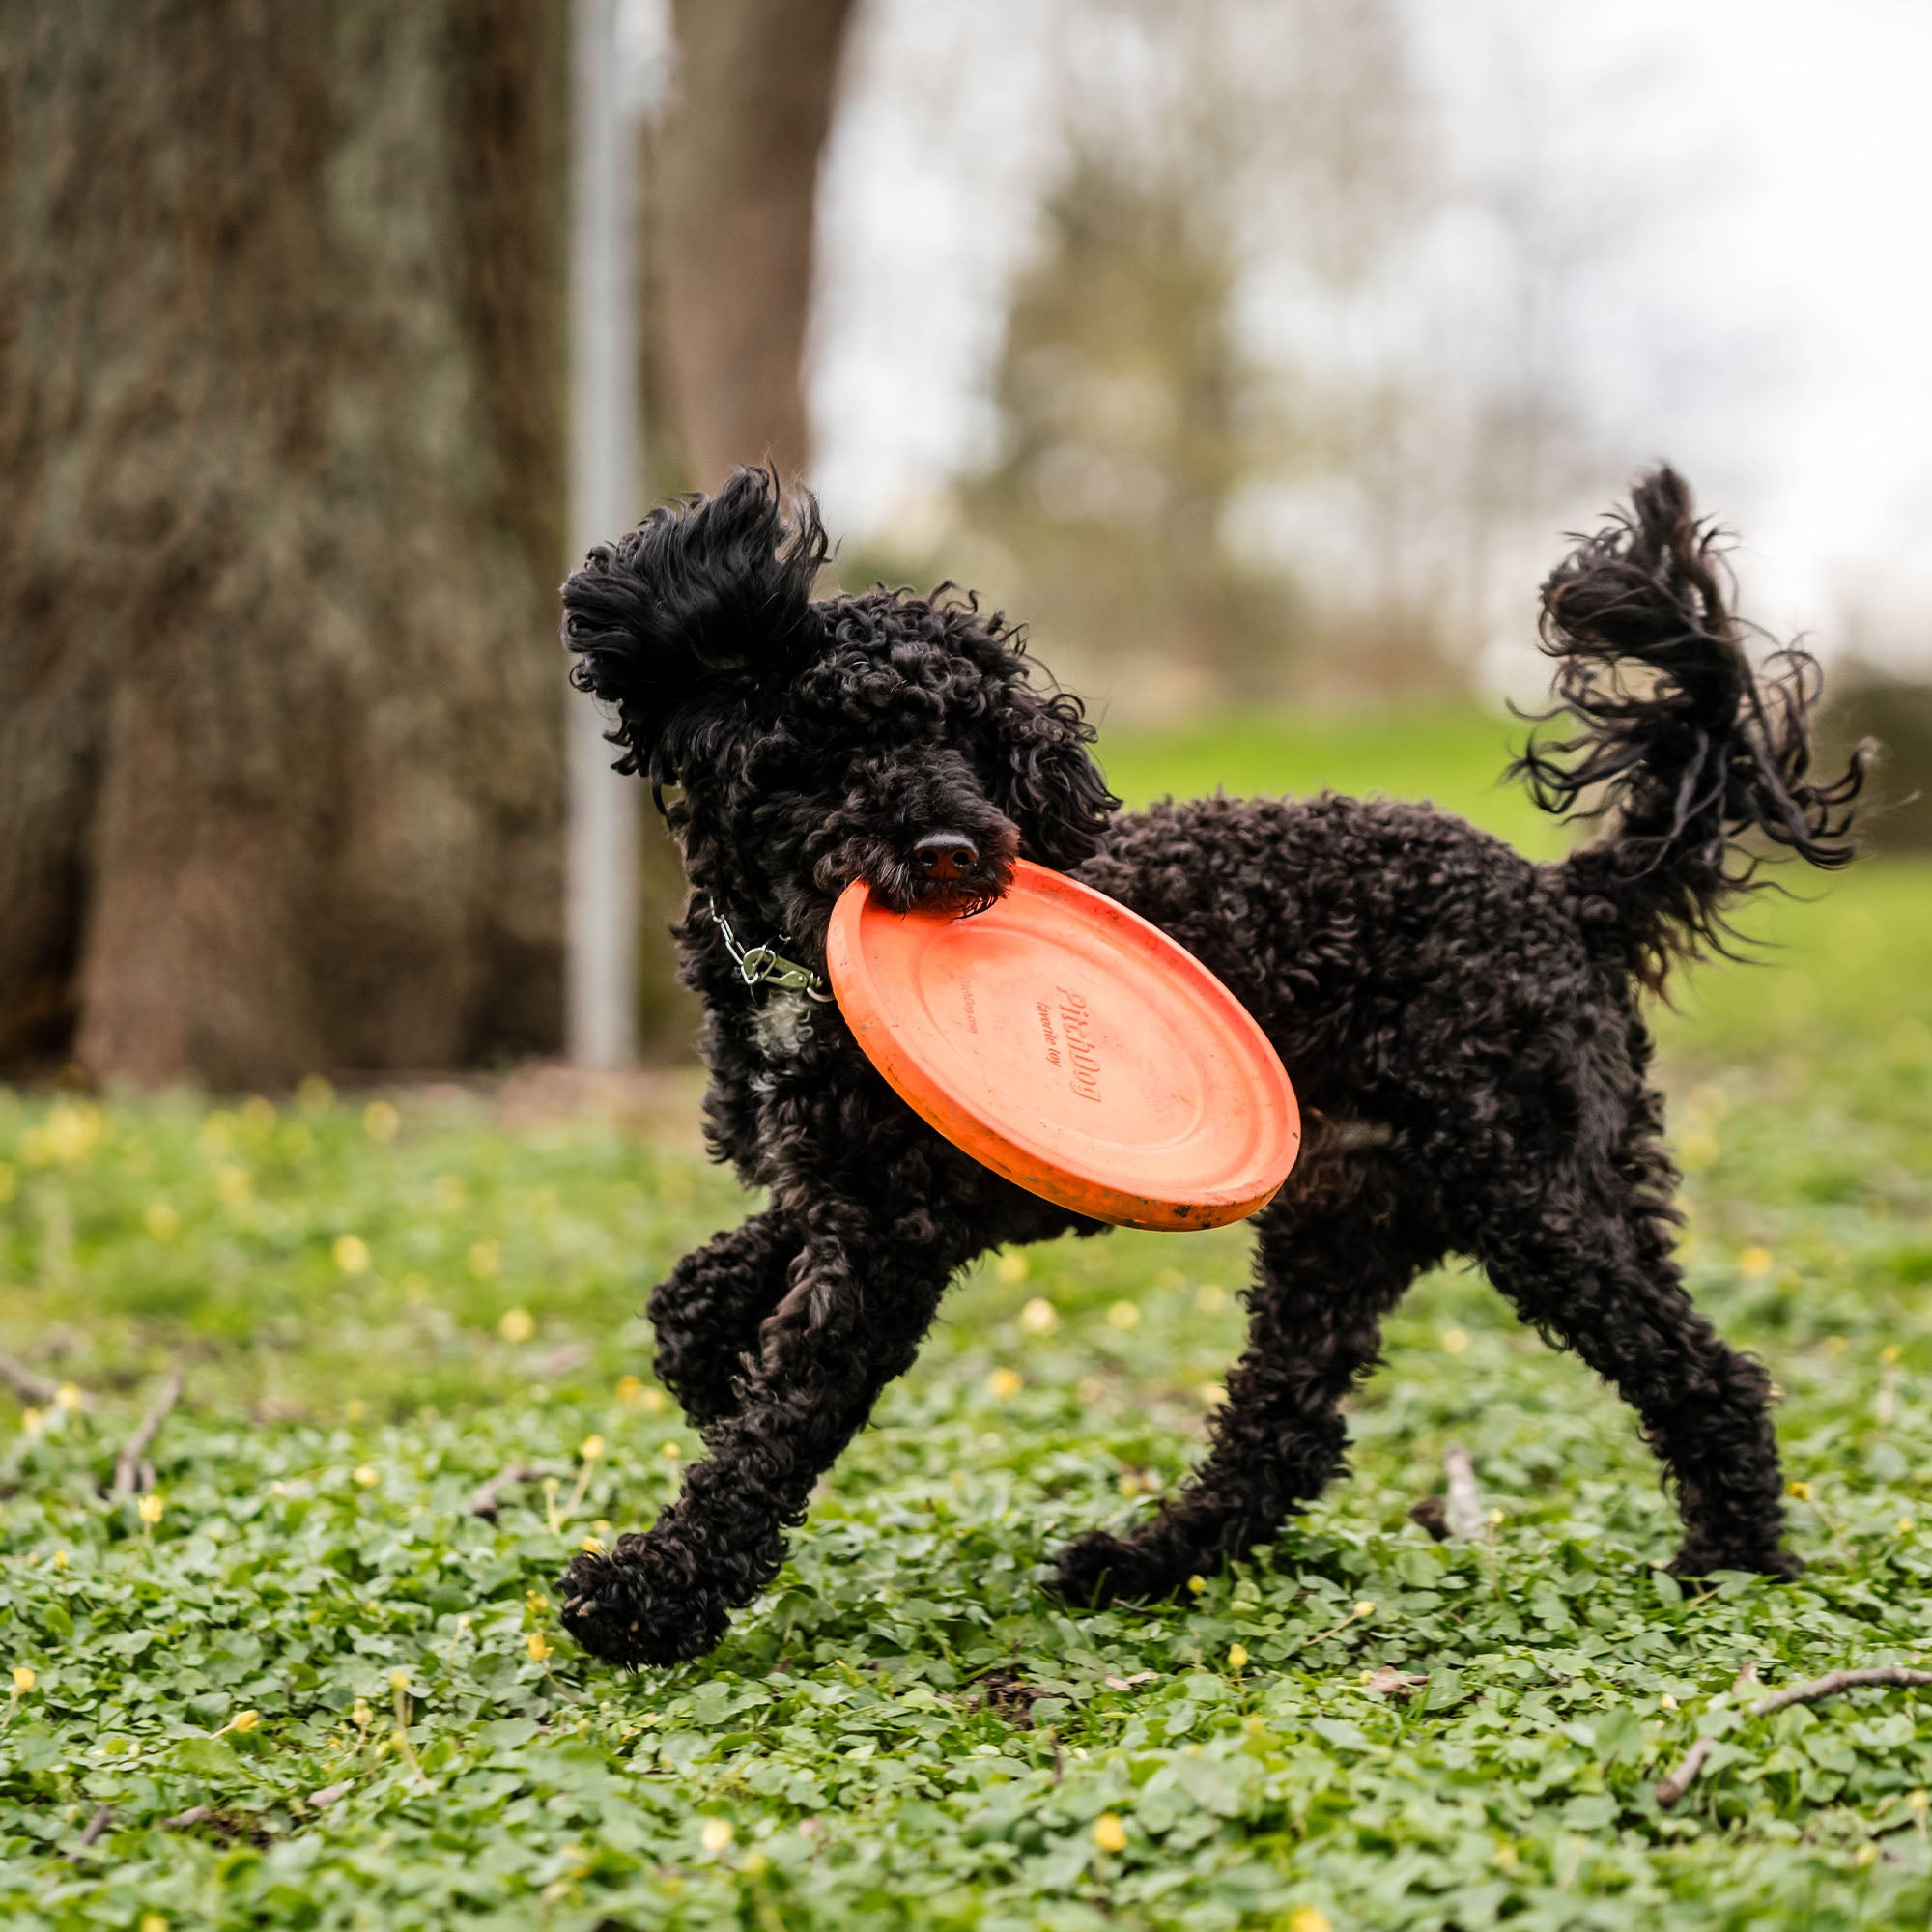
x=1691, y=751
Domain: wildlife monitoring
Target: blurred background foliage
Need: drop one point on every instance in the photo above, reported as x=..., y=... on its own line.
x=1254, y=354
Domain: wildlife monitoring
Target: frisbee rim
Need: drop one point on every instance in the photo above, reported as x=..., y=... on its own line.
x=1032, y=1165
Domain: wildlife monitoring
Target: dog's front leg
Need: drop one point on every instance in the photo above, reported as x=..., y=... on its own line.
x=863, y=1294
x=707, y=1312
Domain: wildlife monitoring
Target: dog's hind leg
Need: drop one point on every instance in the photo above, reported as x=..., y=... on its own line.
x=1593, y=1271
x=707, y=1312
x=1325, y=1274
x=861, y=1300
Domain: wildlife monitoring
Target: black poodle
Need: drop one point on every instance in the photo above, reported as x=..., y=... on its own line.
x=1462, y=1025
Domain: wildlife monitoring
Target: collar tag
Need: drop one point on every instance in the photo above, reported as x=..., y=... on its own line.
x=766, y=966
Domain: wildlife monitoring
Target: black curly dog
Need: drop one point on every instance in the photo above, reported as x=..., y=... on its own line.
x=1462, y=1025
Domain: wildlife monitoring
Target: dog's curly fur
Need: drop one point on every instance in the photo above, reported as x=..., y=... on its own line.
x=1462, y=1025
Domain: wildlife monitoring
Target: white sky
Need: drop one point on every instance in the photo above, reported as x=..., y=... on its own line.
x=1764, y=323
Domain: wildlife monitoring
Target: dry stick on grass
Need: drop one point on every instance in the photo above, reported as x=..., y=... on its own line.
x=128, y=1468
x=33, y=1389
x=1888, y=1676
x=95, y=1826
x=488, y=1500
x=1463, y=1514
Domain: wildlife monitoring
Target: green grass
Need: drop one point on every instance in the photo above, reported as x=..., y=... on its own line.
x=378, y=1310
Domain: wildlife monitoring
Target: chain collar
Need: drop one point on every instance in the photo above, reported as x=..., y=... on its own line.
x=766, y=966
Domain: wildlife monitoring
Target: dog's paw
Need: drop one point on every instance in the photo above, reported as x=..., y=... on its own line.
x=1696, y=1561
x=1099, y=1570
x=624, y=1608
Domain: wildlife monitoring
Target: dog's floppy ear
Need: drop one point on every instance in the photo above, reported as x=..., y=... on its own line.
x=1051, y=788
x=702, y=590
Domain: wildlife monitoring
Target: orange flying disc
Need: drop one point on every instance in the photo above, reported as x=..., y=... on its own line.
x=1065, y=1043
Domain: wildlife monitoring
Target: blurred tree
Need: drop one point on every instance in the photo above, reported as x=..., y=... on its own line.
x=732, y=185
x=1124, y=401
x=280, y=418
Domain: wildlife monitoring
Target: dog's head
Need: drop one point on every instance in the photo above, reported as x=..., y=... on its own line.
x=795, y=745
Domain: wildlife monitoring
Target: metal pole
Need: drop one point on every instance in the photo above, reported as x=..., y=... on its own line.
x=602, y=909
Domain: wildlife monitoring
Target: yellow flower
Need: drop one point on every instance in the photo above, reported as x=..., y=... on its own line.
x=1109, y=1833
x=1005, y=1383
x=24, y=1680
x=653, y=1402
x=1237, y=1657
x=1197, y=1584
x=1668, y=1702
x=1496, y=1517
x=150, y=1507
x=1455, y=1341
x=1865, y=1855
x=360, y=1714
x=669, y=1451
x=1889, y=1353
x=314, y=1092
x=351, y=1254
x=517, y=1324
x=244, y=1721
x=1755, y=1264
x=1039, y=1316
x=630, y=1389
x=1904, y=1525
x=717, y=1835
x=32, y=1422
x=486, y=1260
x=1123, y=1315
x=355, y=1409
x=366, y=1478
x=1011, y=1268
x=153, y=1921
x=1210, y=1297
x=1365, y=1609
x=1802, y=1490
x=591, y=1448
x=538, y=1646
x=1305, y=1918
x=233, y=1184
x=1916, y=1801
x=380, y=1121
x=61, y=1559
x=160, y=1220
x=592, y=1545
x=535, y=1602
x=399, y=1678
x=68, y=1397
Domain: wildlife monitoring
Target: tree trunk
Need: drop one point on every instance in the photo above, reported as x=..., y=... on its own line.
x=280, y=491
x=737, y=167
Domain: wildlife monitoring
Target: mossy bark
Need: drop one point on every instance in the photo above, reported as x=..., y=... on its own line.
x=280, y=493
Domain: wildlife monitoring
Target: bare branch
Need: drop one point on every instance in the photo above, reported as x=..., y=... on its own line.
x=32, y=1388
x=128, y=1470
x=488, y=1500
x=1463, y=1514
x=1886, y=1676
x=95, y=1826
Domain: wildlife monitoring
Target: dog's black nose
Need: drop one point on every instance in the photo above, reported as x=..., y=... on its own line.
x=946, y=855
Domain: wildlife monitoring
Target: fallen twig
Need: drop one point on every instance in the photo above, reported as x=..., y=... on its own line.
x=489, y=1502
x=32, y=1387
x=128, y=1466
x=1670, y=1789
x=95, y=1826
x=1463, y=1515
